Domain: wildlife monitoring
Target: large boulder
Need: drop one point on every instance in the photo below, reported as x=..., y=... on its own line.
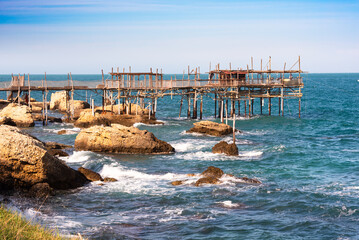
x=224, y=147
x=20, y=115
x=25, y=162
x=211, y=128
x=86, y=119
x=120, y=139
x=59, y=102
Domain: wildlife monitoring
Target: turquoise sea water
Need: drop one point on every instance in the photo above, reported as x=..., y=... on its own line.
x=309, y=168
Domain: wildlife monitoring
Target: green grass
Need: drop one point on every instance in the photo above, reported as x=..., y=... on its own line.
x=13, y=226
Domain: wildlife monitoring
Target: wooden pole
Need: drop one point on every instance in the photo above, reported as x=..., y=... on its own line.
x=269, y=106
x=194, y=114
x=104, y=92
x=215, y=105
x=245, y=108
x=72, y=98
x=179, y=115
x=261, y=103
x=189, y=106
x=28, y=83
x=227, y=112
x=222, y=103
x=299, y=107
x=252, y=107
x=201, y=106
x=234, y=129
x=239, y=107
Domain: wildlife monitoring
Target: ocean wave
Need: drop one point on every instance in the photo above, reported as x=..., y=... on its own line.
x=78, y=156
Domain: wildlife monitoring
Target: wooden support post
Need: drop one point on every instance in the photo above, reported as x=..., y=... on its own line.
x=201, y=108
x=234, y=129
x=179, y=115
x=282, y=101
x=215, y=104
x=279, y=106
x=72, y=98
x=269, y=106
x=249, y=107
x=261, y=103
x=222, y=103
x=239, y=107
x=28, y=83
x=43, y=108
x=227, y=112
x=104, y=93
x=194, y=114
x=299, y=107
x=93, y=106
x=189, y=106
x=252, y=107
x=245, y=108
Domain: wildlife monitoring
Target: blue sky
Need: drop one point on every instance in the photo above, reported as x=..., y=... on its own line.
x=81, y=36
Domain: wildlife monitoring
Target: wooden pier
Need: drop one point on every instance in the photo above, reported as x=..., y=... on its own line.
x=232, y=90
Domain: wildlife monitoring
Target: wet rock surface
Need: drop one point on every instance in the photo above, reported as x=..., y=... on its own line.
x=224, y=147
x=90, y=175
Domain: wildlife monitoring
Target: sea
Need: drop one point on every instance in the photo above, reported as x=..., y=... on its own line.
x=308, y=166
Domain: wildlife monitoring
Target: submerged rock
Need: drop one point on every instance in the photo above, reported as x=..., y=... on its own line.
x=213, y=175
x=109, y=179
x=224, y=147
x=90, y=175
x=120, y=139
x=20, y=115
x=207, y=180
x=54, y=149
x=211, y=128
x=212, y=172
x=23, y=167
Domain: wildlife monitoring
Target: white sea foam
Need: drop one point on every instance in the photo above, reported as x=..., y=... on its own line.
x=230, y=204
x=69, y=131
x=188, y=145
x=78, y=156
x=346, y=212
x=134, y=181
x=250, y=154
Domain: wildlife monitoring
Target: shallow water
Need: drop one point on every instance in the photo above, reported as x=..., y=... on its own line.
x=309, y=168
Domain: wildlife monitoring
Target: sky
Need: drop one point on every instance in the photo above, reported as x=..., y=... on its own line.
x=85, y=36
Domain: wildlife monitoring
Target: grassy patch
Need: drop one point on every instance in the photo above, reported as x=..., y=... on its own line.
x=13, y=226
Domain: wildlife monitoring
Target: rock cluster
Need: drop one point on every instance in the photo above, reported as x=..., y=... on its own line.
x=211, y=128
x=120, y=139
x=25, y=162
x=224, y=147
x=20, y=115
x=213, y=175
